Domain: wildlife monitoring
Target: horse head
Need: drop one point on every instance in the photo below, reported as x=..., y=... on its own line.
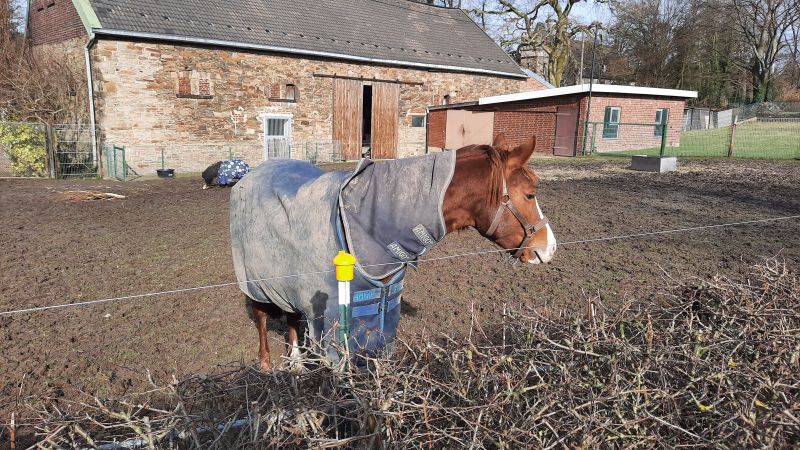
x=494, y=190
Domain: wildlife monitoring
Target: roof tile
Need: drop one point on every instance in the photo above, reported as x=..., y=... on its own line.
x=389, y=30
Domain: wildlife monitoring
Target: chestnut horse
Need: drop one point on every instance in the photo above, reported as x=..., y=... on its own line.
x=492, y=190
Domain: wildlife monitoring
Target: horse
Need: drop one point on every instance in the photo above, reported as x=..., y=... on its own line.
x=490, y=188
x=227, y=173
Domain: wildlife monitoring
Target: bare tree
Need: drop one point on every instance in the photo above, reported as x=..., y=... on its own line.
x=764, y=26
x=41, y=84
x=543, y=24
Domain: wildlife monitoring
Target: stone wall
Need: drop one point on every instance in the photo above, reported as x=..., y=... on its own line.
x=153, y=95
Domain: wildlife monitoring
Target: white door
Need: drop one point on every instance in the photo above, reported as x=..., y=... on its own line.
x=278, y=137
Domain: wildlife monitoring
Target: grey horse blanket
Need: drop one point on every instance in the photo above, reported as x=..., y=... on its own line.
x=289, y=217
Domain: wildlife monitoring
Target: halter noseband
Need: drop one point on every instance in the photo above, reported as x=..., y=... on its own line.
x=530, y=230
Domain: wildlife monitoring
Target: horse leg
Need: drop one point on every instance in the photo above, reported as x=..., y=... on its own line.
x=293, y=322
x=260, y=318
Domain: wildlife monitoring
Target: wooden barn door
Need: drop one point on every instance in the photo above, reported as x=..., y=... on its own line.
x=347, y=104
x=385, y=118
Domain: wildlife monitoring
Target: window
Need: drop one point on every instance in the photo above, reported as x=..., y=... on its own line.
x=417, y=121
x=277, y=136
x=611, y=123
x=446, y=99
x=661, y=120
x=291, y=92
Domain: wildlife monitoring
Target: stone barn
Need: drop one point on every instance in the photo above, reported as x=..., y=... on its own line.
x=620, y=118
x=197, y=82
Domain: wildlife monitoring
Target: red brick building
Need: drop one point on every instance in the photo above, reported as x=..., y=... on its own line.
x=621, y=118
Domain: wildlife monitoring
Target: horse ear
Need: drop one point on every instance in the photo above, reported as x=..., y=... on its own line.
x=500, y=143
x=522, y=153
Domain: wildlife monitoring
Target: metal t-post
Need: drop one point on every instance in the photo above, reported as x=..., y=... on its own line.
x=664, y=122
x=589, y=102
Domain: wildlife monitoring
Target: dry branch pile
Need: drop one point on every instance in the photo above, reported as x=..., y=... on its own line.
x=716, y=365
x=85, y=196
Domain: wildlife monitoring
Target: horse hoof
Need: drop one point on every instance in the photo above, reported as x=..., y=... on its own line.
x=265, y=367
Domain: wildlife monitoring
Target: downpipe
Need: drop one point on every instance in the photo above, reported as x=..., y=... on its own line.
x=90, y=86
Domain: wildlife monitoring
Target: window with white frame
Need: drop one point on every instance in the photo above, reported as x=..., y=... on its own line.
x=611, y=123
x=661, y=120
x=277, y=136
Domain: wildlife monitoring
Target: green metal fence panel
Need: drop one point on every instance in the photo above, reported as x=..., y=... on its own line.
x=766, y=138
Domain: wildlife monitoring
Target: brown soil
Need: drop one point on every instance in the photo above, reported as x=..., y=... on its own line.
x=169, y=234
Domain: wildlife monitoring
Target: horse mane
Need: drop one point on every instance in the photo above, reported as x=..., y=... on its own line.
x=497, y=163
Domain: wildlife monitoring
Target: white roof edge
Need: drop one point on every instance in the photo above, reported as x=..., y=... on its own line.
x=581, y=88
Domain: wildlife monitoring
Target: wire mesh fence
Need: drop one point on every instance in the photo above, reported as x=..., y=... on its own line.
x=768, y=138
x=74, y=151
x=318, y=152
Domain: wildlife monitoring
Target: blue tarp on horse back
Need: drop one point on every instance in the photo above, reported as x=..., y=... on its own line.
x=290, y=217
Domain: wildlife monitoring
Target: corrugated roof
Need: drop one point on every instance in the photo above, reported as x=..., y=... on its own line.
x=395, y=32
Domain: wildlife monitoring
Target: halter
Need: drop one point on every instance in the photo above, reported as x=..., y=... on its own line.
x=530, y=230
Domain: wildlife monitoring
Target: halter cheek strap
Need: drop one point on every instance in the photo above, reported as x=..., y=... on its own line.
x=530, y=230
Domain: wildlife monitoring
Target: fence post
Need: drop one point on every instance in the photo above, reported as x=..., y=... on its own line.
x=664, y=123
x=124, y=165
x=732, y=141
x=344, y=263
x=52, y=155
x=594, y=134
x=585, y=130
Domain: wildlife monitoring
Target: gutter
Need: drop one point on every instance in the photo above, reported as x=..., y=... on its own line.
x=272, y=48
x=90, y=86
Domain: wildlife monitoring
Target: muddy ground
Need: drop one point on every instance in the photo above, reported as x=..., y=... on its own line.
x=170, y=234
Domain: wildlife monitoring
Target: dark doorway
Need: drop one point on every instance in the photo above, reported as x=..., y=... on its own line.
x=366, y=118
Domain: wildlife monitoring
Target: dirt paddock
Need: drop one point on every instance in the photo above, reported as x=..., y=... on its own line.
x=169, y=234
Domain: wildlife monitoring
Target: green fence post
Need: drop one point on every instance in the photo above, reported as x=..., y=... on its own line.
x=230, y=153
x=108, y=159
x=594, y=134
x=162, y=159
x=585, y=130
x=115, y=163
x=664, y=123
x=124, y=165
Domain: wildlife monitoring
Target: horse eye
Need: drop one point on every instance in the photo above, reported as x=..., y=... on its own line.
x=531, y=196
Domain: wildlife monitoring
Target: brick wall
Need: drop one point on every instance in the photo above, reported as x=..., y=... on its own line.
x=635, y=109
x=520, y=120
x=54, y=21
x=136, y=85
